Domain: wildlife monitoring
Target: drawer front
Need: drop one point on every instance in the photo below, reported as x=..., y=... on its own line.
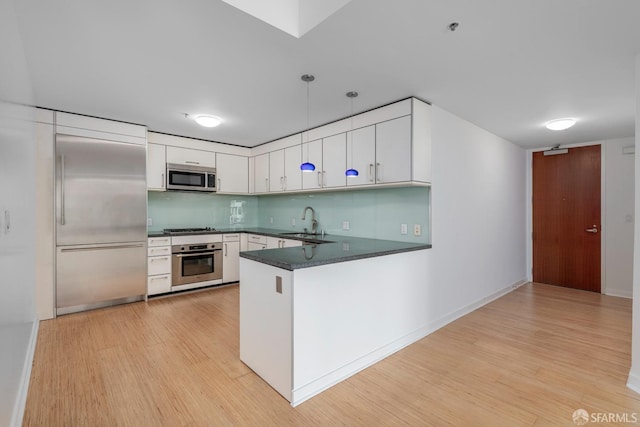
x=159, y=241
x=254, y=238
x=159, y=250
x=159, y=284
x=230, y=237
x=159, y=265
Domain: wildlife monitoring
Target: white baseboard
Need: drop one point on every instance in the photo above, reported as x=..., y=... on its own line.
x=623, y=293
x=21, y=399
x=633, y=382
x=309, y=390
x=443, y=321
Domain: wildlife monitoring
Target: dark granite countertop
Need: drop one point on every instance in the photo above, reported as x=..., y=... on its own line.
x=318, y=251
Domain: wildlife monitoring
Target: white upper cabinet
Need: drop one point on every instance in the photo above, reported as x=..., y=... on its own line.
x=188, y=156
x=312, y=153
x=276, y=171
x=292, y=172
x=91, y=127
x=393, y=151
x=261, y=173
x=156, y=167
x=232, y=173
x=334, y=162
x=361, y=155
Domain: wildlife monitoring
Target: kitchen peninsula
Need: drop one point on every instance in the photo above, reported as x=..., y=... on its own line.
x=314, y=315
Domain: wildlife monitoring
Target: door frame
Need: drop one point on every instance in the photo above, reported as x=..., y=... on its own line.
x=529, y=209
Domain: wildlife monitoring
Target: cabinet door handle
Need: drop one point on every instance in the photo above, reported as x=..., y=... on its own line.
x=324, y=178
x=319, y=179
x=226, y=250
x=285, y=183
x=159, y=259
x=192, y=163
x=370, y=172
x=162, y=183
x=282, y=182
x=219, y=184
x=378, y=172
x=266, y=184
x=62, y=221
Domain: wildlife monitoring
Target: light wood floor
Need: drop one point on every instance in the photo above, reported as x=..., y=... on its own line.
x=529, y=358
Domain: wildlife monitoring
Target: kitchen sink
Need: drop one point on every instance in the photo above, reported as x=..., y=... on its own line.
x=304, y=235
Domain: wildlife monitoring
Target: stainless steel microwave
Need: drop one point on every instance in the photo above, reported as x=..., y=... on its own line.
x=191, y=178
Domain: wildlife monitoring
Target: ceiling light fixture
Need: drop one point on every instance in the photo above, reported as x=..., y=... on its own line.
x=307, y=166
x=351, y=172
x=207, y=120
x=560, y=124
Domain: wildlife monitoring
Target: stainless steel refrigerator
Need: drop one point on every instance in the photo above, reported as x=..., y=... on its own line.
x=101, y=233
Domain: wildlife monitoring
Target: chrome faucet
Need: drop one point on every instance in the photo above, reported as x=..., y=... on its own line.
x=314, y=223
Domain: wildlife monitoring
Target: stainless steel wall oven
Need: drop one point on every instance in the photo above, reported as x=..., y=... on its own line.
x=193, y=263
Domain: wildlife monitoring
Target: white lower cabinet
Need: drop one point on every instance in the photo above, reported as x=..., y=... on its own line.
x=158, y=265
x=256, y=242
x=276, y=242
x=230, y=258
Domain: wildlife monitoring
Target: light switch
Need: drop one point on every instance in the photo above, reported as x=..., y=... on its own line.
x=403, y=229
x=345, y=225
x=149, y=222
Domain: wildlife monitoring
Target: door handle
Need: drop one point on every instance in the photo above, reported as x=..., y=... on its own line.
x=592, y=230
x=62, y=221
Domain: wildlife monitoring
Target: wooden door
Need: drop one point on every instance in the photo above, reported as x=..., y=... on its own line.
x=566, y=218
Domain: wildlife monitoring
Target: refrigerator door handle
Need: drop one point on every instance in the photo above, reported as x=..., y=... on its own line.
x=62, y=190
x=97, y=248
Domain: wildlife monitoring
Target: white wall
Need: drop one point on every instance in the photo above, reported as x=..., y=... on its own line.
x=18, y=327
x=634, y=375
x=618, y=208
x=478, y=215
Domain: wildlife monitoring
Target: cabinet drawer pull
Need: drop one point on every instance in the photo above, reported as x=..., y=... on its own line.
x=192, y=163
x=160, y=259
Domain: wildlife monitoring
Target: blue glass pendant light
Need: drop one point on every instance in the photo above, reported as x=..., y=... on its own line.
x=307, y=166
x=351, y=172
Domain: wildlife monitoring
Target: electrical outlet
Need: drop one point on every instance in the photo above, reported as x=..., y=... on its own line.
x=417, y=230
x=403, y=229
x=149, y=222
x=345, y=225
x=270, y=220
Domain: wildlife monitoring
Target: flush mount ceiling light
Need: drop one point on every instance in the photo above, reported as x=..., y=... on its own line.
x=560, y=124
x=207, y=120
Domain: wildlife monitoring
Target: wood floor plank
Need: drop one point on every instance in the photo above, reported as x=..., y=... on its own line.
x=529, y=358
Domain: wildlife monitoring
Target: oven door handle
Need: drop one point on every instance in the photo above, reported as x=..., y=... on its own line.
x=197, y=253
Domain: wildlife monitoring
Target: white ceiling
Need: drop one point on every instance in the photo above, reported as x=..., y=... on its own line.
x=509, y=67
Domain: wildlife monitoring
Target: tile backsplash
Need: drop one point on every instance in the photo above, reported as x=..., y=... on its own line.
x=374, y=213
x=177, y=209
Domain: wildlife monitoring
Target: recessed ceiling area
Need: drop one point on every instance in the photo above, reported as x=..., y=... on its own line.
x=509, y=67
x=295, y=17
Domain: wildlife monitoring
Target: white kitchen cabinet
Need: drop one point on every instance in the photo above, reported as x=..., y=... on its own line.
x=361, y=155
x=284, y=169
x=312, y=153
x=292, y=172
x=261, y=173
x=158, y=265
x=188, y=156
x=156, y=167
x=232, y=172
x=256, y=242
x=393, y=150
x=276, y=171
x=279, y=243
x=230, y=258
x=334, y=162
